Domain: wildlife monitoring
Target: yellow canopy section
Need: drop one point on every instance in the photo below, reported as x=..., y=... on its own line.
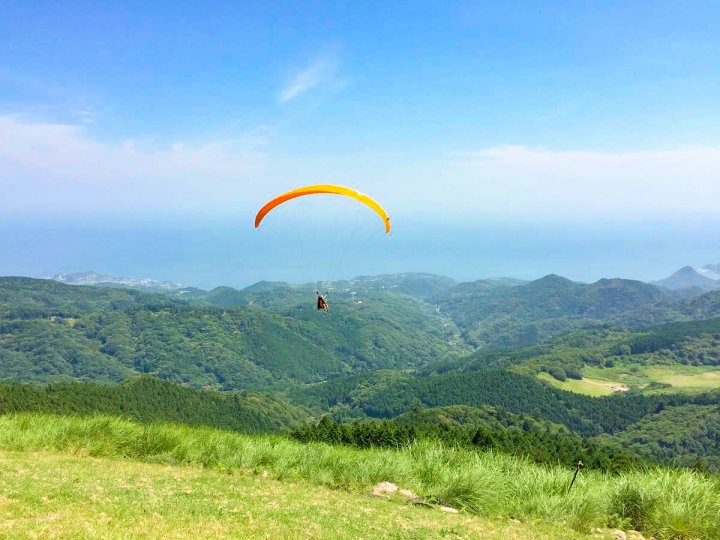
x=323, y=188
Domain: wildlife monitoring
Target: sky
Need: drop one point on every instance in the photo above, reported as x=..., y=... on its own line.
x=504, y=138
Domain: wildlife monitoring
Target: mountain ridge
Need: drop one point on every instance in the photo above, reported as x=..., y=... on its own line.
x=106, y=280
x=686, y=278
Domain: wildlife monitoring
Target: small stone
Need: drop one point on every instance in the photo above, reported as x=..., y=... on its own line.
x=513, y=520
x=597, y=530
x=380, y=496
x=617, y=533
x=635, y=535
x=407, y=494
x=385, y=488
x=449, y=510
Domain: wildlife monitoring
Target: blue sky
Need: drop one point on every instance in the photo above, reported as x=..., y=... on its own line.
x=510, y=120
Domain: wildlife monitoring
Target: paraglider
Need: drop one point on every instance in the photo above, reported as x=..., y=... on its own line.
x=324, y=188
x=316, y=189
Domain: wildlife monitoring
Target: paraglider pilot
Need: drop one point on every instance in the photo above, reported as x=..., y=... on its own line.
x=322, y=301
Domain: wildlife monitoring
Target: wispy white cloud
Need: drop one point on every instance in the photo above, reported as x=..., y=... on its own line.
x=321, y=71
x=536, y=182
x=60, y=168
x=46, y=167
x=532, y=184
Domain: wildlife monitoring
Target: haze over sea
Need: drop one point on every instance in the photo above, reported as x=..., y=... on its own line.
x=205, y=254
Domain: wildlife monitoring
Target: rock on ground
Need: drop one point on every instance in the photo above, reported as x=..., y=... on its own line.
x=384, y=488
x=449, y=510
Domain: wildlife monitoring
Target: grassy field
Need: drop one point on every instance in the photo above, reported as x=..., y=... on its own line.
x=689, y=378
x=589, y=387
x=662, y=503
x=598, y=381
x=51, y=495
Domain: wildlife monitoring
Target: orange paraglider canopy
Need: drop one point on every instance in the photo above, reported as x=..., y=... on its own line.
x=324, y=188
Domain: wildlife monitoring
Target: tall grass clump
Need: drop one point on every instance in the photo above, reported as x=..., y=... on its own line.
x=668, y=503
x=632, y=503
x=660, y=502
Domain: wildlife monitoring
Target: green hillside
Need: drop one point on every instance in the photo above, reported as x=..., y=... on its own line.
x=54, y=332
x=658, y=502
x=240, y=348
x=704, y=306
x=26, y=298
x=500, y=314
x=270, y=335
x=528, y=438
x=681, y=435
x=417, y=285
x=382, y=352
x=381, y=321
x=147, y=399
x=388, y=394
x=51, y=495
x=641, y=361
x=491, y=312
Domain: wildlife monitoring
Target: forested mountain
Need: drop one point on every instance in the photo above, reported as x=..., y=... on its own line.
x=271, y=334
x=279, y=295
x=460, y=400
x=149, y=399
x=50, y=332
x=390, y=347
x=500, y=312
x=419, y=285
x=687, y=343
x=504, y=315
x=26, y=298
x=387, y=394
x=680, y=435
x=702, y=307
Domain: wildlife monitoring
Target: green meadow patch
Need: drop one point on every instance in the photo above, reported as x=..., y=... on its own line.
x=647, y=379
x=589, y=387
x=687, y=378
x=54, y=495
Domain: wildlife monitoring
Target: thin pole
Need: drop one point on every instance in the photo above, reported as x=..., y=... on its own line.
x=577, y=470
